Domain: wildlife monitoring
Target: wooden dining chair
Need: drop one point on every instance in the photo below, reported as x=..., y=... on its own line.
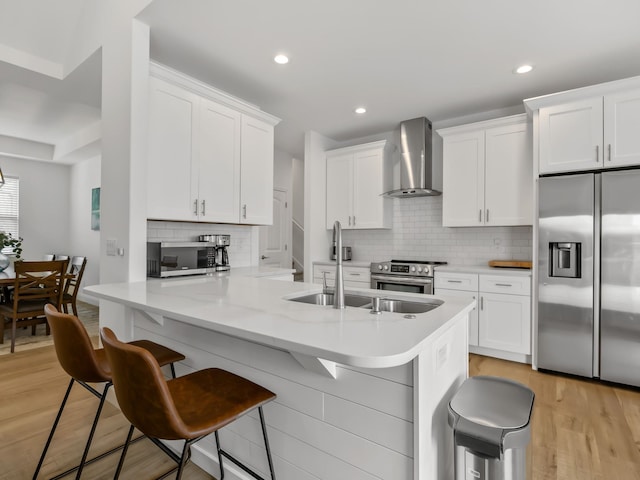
x=35, y=285
x=72, y=283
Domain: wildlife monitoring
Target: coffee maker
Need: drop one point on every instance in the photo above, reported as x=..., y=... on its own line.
x=222, y=255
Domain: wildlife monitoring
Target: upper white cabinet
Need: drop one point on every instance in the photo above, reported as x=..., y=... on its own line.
x=487, y=173
x=356, y=178
x=210, y=156
x=172, y=170
x=588, y=129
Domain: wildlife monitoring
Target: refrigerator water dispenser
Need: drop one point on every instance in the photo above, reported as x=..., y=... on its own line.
x=565, y=259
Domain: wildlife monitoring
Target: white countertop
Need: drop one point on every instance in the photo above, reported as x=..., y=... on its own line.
x=255, y=309
x=484, y=269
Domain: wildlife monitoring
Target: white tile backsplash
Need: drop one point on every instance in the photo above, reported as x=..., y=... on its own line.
x=239, y=250
x=418, y=234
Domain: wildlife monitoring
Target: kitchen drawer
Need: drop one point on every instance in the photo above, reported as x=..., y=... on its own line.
x=513, y=285
x=456, y=281
x=350, y=274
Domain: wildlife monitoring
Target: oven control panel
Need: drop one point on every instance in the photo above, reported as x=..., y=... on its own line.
x=406, y=268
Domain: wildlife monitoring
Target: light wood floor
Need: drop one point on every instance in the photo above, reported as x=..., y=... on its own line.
x=581, y=430
x=32, y=385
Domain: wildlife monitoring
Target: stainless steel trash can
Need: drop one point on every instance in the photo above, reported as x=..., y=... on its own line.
x=490, y=417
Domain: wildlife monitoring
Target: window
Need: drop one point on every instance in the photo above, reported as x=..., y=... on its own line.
x=9, y=207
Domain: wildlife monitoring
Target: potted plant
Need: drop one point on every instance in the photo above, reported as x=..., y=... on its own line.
x=8, y=241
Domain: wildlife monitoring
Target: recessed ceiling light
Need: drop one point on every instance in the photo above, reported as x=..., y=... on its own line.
x=281, y=59
x=523, y=69
x=361, y=110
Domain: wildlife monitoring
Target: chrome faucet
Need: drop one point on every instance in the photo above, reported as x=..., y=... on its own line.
x=338, y=293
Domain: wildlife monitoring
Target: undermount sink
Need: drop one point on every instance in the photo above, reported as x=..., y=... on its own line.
x=363, y=301
x=405, y=306
x=350, y=300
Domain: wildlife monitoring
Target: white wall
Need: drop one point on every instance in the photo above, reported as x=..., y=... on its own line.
x=297, y=213
x=84, y=176
x=44, y=205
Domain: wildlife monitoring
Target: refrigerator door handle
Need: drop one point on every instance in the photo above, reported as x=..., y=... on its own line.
x=597, y=227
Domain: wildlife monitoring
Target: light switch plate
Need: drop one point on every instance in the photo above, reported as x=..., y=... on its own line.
x=112, y=246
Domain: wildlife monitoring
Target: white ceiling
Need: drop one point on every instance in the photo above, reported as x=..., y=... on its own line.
x=400, y=59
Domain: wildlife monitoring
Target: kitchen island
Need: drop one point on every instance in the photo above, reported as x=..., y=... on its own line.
x=360, y=396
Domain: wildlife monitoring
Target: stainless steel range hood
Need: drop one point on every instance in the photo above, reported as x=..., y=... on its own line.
x=416, y=164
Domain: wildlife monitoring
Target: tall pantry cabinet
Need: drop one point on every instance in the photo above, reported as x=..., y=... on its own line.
x=210, y=156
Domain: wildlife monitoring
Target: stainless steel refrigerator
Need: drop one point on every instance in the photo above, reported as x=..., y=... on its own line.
x=589, y=275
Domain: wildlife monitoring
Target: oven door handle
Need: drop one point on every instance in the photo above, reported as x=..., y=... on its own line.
x=409, y=280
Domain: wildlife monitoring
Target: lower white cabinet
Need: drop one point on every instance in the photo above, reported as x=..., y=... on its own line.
x=354, y=276
x=460, y=285
x=500, y=325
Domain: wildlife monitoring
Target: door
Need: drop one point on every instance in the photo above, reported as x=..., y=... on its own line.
x=508, y=176
x=339, y=190
x=620, y=273
x=621, y=120
x=219, y=155
x=571, y=136
x=172, y=173
x=275, y=238
x=565, y=303
x=368, y=204
x=256, y=172
x=463, y=180
x=473, y=315
x=504, y=322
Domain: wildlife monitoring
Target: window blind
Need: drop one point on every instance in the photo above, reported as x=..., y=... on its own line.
x=9, y=207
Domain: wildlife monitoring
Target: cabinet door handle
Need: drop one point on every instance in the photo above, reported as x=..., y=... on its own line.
x=454, y=281
x=597, y=153
x=349, y=220
x=481, y=303
x=244, y=211
x=354, y=220
x=504, y=285
x=486, y=217
x=480, y=215
x=355, y=274
x=609, y=148
x=195, y=207
x=474, y=297
x=203, y=210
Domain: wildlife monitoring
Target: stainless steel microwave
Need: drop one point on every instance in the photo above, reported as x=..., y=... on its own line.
x=172, y=259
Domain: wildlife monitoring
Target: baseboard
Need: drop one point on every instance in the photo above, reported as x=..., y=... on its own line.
x=492, y=352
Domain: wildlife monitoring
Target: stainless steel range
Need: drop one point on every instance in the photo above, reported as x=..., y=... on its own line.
x=415, y=276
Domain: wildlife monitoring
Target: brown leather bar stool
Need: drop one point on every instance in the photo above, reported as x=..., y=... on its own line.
x=86, y=364
x=187, y=408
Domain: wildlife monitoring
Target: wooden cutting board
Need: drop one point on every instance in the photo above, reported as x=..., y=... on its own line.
x=510, y=263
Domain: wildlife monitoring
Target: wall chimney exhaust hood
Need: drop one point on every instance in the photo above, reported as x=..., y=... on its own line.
x=416, y=162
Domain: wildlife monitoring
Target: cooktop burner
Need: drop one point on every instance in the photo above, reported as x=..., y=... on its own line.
x=423, y=262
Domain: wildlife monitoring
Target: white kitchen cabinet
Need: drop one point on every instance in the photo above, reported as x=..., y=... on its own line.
x=256, y=172
x=487, y=173
x=356, y=178
x=210, y=156
x=590, y=134
x=504, y=320
x=354, y=276
x=173, y=168
x=460, y=285
x=500, y=325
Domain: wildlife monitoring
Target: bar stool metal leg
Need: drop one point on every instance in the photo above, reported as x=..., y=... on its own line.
x=53, y=430
x=124, y=453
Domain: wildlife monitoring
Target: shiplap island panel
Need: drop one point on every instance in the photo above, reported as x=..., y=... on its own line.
x=382, y=415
